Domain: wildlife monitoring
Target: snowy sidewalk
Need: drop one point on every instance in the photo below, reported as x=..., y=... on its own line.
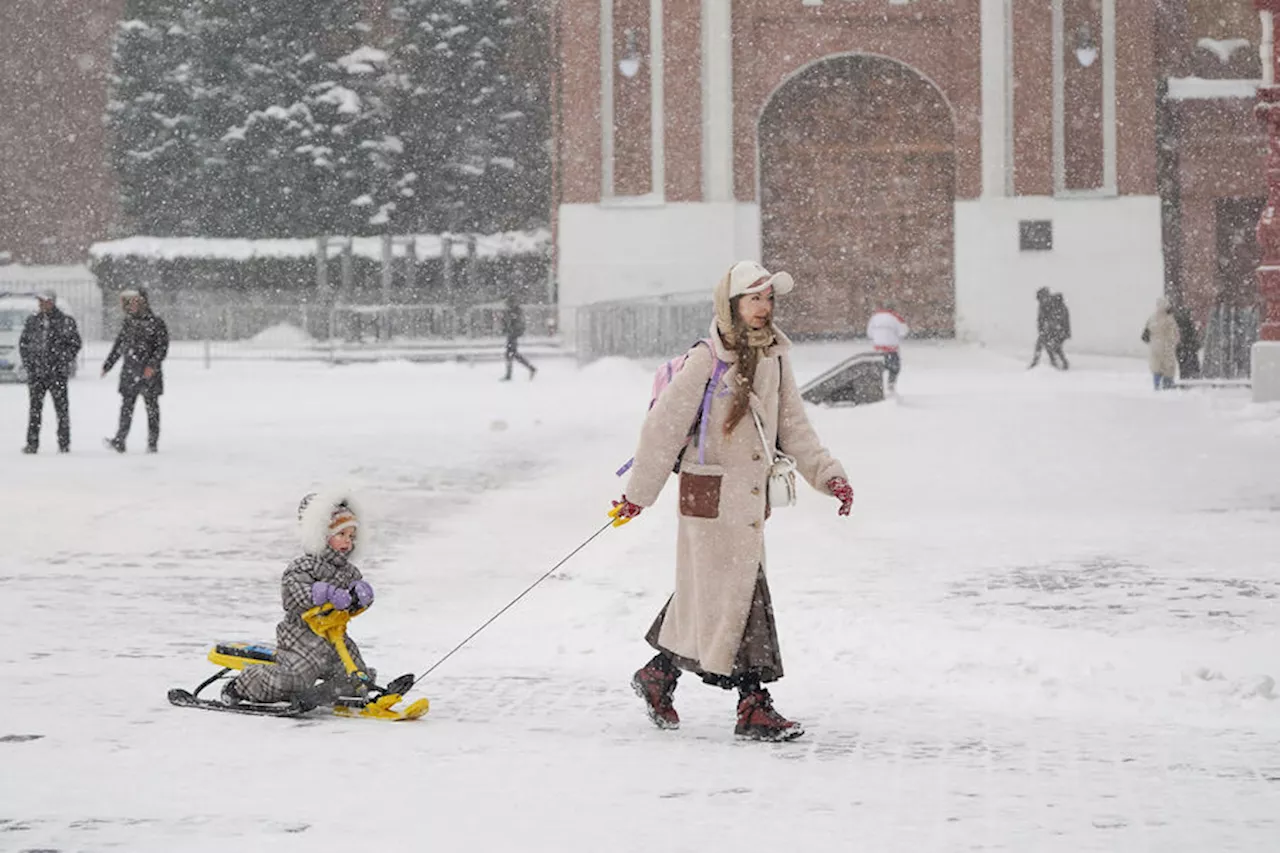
x=1050, y=625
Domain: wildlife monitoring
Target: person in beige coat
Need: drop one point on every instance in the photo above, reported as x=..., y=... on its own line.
x=719, y=623
x=1162, y=337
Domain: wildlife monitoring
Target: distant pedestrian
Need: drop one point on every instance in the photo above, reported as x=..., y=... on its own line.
x=1188, y=344
x=48, y=347
x=513, y=328
x=886, y=329
x=1053, y=328
x=1161, y=337
x=143, y=343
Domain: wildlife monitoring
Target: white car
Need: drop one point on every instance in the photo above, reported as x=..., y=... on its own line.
x=15, y=308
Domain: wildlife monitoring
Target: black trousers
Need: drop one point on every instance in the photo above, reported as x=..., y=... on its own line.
x=1056, y=356
x=892, y=366
x=152, y=403
x=56, y=387
x=514, y=355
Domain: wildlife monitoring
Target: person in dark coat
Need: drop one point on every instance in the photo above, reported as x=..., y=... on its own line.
x=1188, y=350
x=513, y=328
x=143, y=343
x=48, y=347
x=1053, y=328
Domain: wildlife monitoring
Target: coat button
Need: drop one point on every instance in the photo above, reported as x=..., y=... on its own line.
x=755, y=457
x=755, y=490
x=755, y=524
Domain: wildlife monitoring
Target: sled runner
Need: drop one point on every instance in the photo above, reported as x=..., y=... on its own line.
x=379, y=703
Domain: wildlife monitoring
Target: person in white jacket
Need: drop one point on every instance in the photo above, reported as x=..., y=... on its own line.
x=886, y=329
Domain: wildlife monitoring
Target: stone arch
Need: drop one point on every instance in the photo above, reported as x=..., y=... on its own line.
x=857, y=195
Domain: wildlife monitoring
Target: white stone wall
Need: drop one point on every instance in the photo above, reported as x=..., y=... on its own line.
x=1106, y=259
x=621, y=251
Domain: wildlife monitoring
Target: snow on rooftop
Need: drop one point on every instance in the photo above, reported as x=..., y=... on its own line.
x=1197, y=88
x=20, y=273
x=426, y=246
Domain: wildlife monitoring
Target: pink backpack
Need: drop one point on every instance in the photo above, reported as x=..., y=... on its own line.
x=662, y=378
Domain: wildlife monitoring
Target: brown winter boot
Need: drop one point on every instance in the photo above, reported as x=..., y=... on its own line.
x=655, y=683
x=757, y=720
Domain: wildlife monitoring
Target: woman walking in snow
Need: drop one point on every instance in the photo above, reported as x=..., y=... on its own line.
x=719, y=623
x=1161, y=337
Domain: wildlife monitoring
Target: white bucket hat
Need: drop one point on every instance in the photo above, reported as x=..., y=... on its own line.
x=750, y=277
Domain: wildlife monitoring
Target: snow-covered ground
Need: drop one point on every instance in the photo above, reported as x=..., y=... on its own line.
x=1050, y=625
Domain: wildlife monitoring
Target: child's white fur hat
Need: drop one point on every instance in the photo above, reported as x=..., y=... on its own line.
x=322, y=514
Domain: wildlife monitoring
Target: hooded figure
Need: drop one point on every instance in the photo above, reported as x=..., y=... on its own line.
x=719, y=623
x=1161, y=336
x=143, y=343
x=321, y=575
x=1053, y=328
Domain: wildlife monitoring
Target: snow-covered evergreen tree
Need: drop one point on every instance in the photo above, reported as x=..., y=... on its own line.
x=309, y=150
x=155, y=135
x=282, y=119
x=461, y=118
x=263, y=119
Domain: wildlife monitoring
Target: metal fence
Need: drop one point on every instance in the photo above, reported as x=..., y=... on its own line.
x=302, y=331
x=1228, y=341
x=641, y=328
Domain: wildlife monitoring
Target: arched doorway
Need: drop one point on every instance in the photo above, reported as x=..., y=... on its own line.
x=857, y=196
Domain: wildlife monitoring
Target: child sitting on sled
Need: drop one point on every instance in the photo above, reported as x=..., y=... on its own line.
x=329, y=525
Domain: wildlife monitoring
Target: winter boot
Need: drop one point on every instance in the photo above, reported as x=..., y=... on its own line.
x=757, y=720
x=333, y=691
x=655, y=683
x=231, y=694
x=30, y=448
x=115, y=444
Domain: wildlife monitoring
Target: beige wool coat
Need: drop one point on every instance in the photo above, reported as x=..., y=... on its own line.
x=720, y=545
x=1162, y=348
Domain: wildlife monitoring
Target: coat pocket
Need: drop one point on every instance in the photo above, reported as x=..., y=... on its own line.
x=700, y=491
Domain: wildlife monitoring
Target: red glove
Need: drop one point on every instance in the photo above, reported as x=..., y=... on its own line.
x=623, y=511
x=840, y=487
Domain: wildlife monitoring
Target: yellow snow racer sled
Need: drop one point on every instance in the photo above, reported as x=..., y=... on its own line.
x=379, y=703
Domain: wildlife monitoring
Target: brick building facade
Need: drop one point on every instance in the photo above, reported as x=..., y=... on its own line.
x=57, y=194
x=877, y=148
x=953, y=155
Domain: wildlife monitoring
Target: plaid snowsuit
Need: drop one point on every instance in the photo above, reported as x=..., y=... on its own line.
x=302, y=656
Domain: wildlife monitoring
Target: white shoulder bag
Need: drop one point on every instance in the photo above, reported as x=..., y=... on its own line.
x=781, y=487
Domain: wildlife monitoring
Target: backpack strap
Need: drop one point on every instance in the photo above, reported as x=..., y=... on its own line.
x=721, y=367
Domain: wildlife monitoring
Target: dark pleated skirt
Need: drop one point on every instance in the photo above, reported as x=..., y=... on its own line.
x=758, y=654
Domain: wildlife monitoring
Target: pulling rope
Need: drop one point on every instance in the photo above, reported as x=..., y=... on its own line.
x=510, y=604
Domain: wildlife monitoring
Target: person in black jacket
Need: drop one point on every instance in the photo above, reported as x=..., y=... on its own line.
x=1053, y=328
x=143, y=342
x=48, y=347
x=1188, y=351
x=513, y=328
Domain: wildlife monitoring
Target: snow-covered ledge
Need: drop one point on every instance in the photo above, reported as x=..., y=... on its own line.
x=1198, y=88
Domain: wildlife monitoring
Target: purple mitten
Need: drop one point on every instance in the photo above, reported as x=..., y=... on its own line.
x=320, y=592
x=363, y=594
x=340, y=598
x=323, y=591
